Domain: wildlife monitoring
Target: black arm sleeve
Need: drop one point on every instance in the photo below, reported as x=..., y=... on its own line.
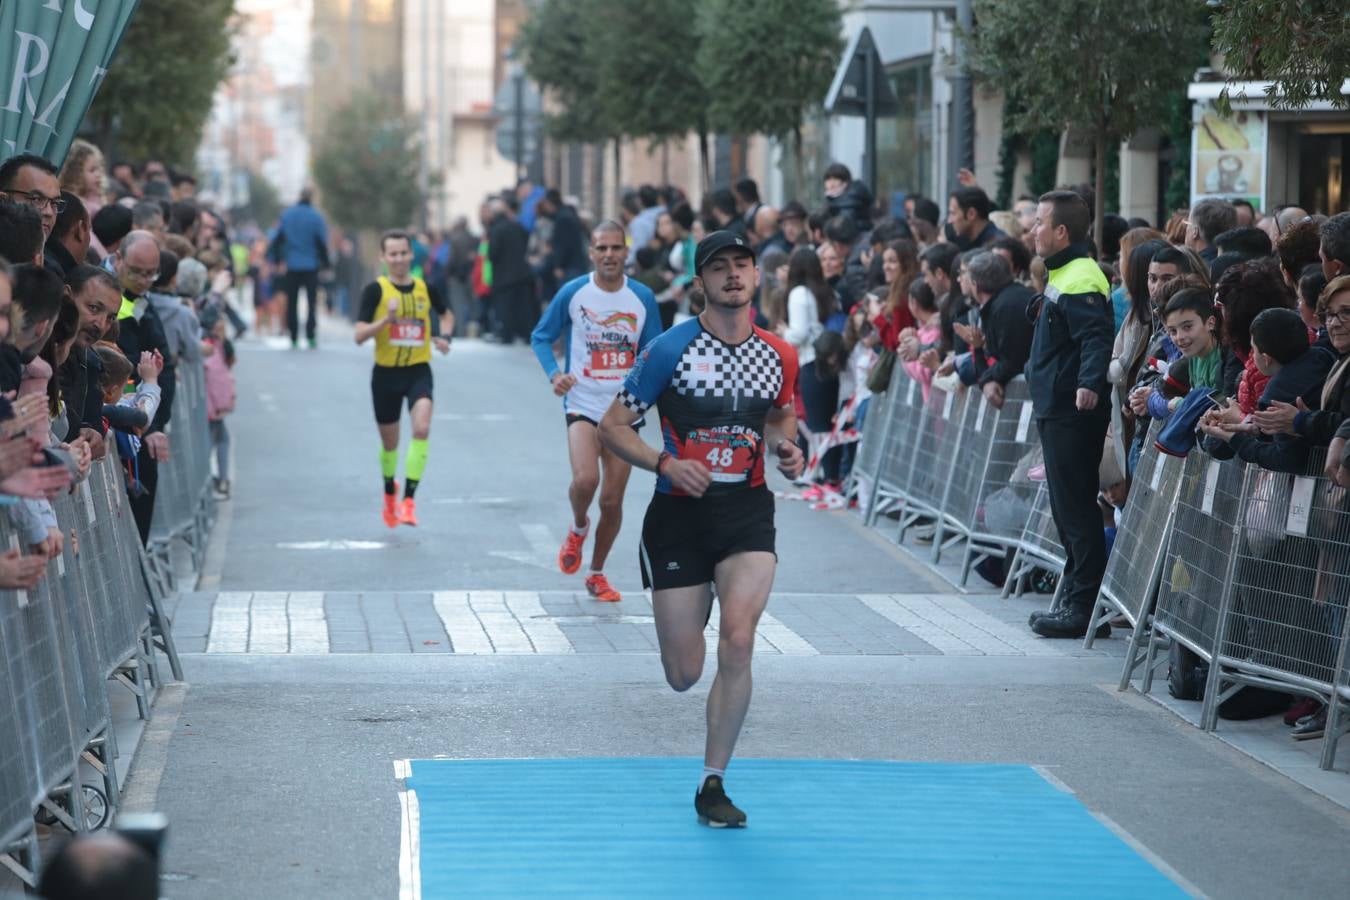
x=1090, y=324
x=370, y=301
x=437, y=300
x=1014, y=340
x=91, y=416
x=1286, y=453
x=124, y=418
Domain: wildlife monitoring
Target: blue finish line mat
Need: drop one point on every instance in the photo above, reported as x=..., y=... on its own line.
x=817, y=828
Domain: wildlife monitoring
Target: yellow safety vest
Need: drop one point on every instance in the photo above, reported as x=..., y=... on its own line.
x=406, y=341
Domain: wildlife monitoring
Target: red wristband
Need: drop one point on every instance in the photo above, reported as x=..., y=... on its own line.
x=661, y=460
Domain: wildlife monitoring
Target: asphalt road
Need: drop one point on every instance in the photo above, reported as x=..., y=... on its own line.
x=276, y=769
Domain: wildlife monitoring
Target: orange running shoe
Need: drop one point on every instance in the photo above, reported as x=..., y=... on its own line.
x=407, y=512
x=598, y=586
x=391, y=508
x=569, y=557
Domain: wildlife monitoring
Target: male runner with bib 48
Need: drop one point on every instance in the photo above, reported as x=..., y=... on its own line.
x=724, y=390
x=396, y=311
x=605, y=321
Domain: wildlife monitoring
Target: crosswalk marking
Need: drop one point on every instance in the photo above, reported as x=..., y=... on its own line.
x=502, y=628
x=309, y=625
x=268, y=629
x=483, y=622
x=545, y=636
x=229, y=623
x=465, y=631
x=783, y=638
x=953, y=625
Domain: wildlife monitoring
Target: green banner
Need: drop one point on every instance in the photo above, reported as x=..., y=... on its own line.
x=55, y=55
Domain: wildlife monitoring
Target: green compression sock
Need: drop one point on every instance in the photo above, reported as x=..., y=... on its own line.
x=416, y=463
x=389, y=468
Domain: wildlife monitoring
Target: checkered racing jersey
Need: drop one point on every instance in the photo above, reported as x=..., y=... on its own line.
x=713, y=399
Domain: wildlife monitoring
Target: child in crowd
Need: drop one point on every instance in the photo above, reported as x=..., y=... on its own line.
x=220, y=394
x=1296, y=373
x=918, y=346
x=129, y=413
x=1192, y=323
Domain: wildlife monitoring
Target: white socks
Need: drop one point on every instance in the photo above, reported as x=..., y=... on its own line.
x=709, y=771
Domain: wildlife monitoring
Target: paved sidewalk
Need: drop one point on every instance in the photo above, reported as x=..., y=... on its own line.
x=535, y=622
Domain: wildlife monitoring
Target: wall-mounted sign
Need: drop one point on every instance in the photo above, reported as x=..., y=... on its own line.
x=1228, y=155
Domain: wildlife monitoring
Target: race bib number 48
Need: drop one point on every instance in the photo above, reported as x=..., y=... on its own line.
x=407, y=333
x=729, y=456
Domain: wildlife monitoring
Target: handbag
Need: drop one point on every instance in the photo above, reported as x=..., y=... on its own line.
x=879, y=379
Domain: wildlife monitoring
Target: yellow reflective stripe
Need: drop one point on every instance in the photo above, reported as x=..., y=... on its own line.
x=128, y=309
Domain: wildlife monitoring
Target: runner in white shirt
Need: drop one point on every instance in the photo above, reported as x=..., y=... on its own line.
x=605, y=321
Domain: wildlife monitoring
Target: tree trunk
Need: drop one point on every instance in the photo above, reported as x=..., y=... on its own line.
x=799, y=164
x=1099, y=186
x=703, y=161
x=618, y=174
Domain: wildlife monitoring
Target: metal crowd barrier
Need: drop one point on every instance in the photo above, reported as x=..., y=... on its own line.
x=92, y=621
x=1249, y=569
x=184, y=505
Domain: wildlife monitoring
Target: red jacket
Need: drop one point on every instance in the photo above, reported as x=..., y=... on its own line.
x=889, y=327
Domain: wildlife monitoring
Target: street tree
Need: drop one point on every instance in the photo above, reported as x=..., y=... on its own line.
x=264, y=202
x=666, y=99
x=562, y=53
x=1102, y=66
x=366, y=165
x=1302, y=48
x=559, y=46
x=156, y=98
x=794, y=48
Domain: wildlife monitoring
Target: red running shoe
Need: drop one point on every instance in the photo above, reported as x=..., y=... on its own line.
x=407, y=512
x=569, y=557
x=598, y=586
x=391, y=508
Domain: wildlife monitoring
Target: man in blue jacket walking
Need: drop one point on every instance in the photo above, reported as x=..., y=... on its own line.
x=301, y=243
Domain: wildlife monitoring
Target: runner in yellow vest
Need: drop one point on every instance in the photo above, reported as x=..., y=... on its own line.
x=396, y=310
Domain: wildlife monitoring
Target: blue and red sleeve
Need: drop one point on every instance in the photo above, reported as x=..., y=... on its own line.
x=788, y=354
x=656, y=365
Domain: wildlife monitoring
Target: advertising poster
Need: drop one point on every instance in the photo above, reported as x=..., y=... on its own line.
x=1228, y=155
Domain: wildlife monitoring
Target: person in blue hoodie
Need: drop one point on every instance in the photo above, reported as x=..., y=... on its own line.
x=301, y=243
x=1297, y=372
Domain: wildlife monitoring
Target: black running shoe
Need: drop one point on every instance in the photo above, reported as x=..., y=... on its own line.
x=715, y=808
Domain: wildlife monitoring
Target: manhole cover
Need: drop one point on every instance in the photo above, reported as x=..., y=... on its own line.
x=587, y=619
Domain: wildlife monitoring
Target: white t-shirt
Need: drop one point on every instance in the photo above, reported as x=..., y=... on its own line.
x=603, y=332
x=803, y=323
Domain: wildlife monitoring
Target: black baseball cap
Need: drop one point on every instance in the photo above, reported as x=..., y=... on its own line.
x=792, y=210
x=715, y=243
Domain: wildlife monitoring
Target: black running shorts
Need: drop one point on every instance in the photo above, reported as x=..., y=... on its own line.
x=390, y=386
x=684, y=538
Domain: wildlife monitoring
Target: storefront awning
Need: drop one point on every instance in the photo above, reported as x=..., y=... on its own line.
x=1251, y=95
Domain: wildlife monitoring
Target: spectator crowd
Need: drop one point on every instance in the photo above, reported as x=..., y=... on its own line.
x=111, y=285
x=1225, y=328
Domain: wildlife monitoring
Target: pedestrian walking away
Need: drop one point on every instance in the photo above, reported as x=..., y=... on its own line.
x=724, y=391
x=605, y=321
x=396, y=311
x=1067, y=374
x=301, y=243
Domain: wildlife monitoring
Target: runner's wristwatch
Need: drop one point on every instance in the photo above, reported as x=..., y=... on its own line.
x=661, y=460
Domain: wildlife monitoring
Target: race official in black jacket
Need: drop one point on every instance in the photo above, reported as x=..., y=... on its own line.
x=1067, y=377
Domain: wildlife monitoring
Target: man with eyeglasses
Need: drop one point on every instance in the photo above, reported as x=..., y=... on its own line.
x=31, y=180
x=141, y=330
x=605, y=320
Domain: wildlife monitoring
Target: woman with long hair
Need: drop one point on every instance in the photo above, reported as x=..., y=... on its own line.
x=1140, y=323
x=900, y=263
x=810, y=302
